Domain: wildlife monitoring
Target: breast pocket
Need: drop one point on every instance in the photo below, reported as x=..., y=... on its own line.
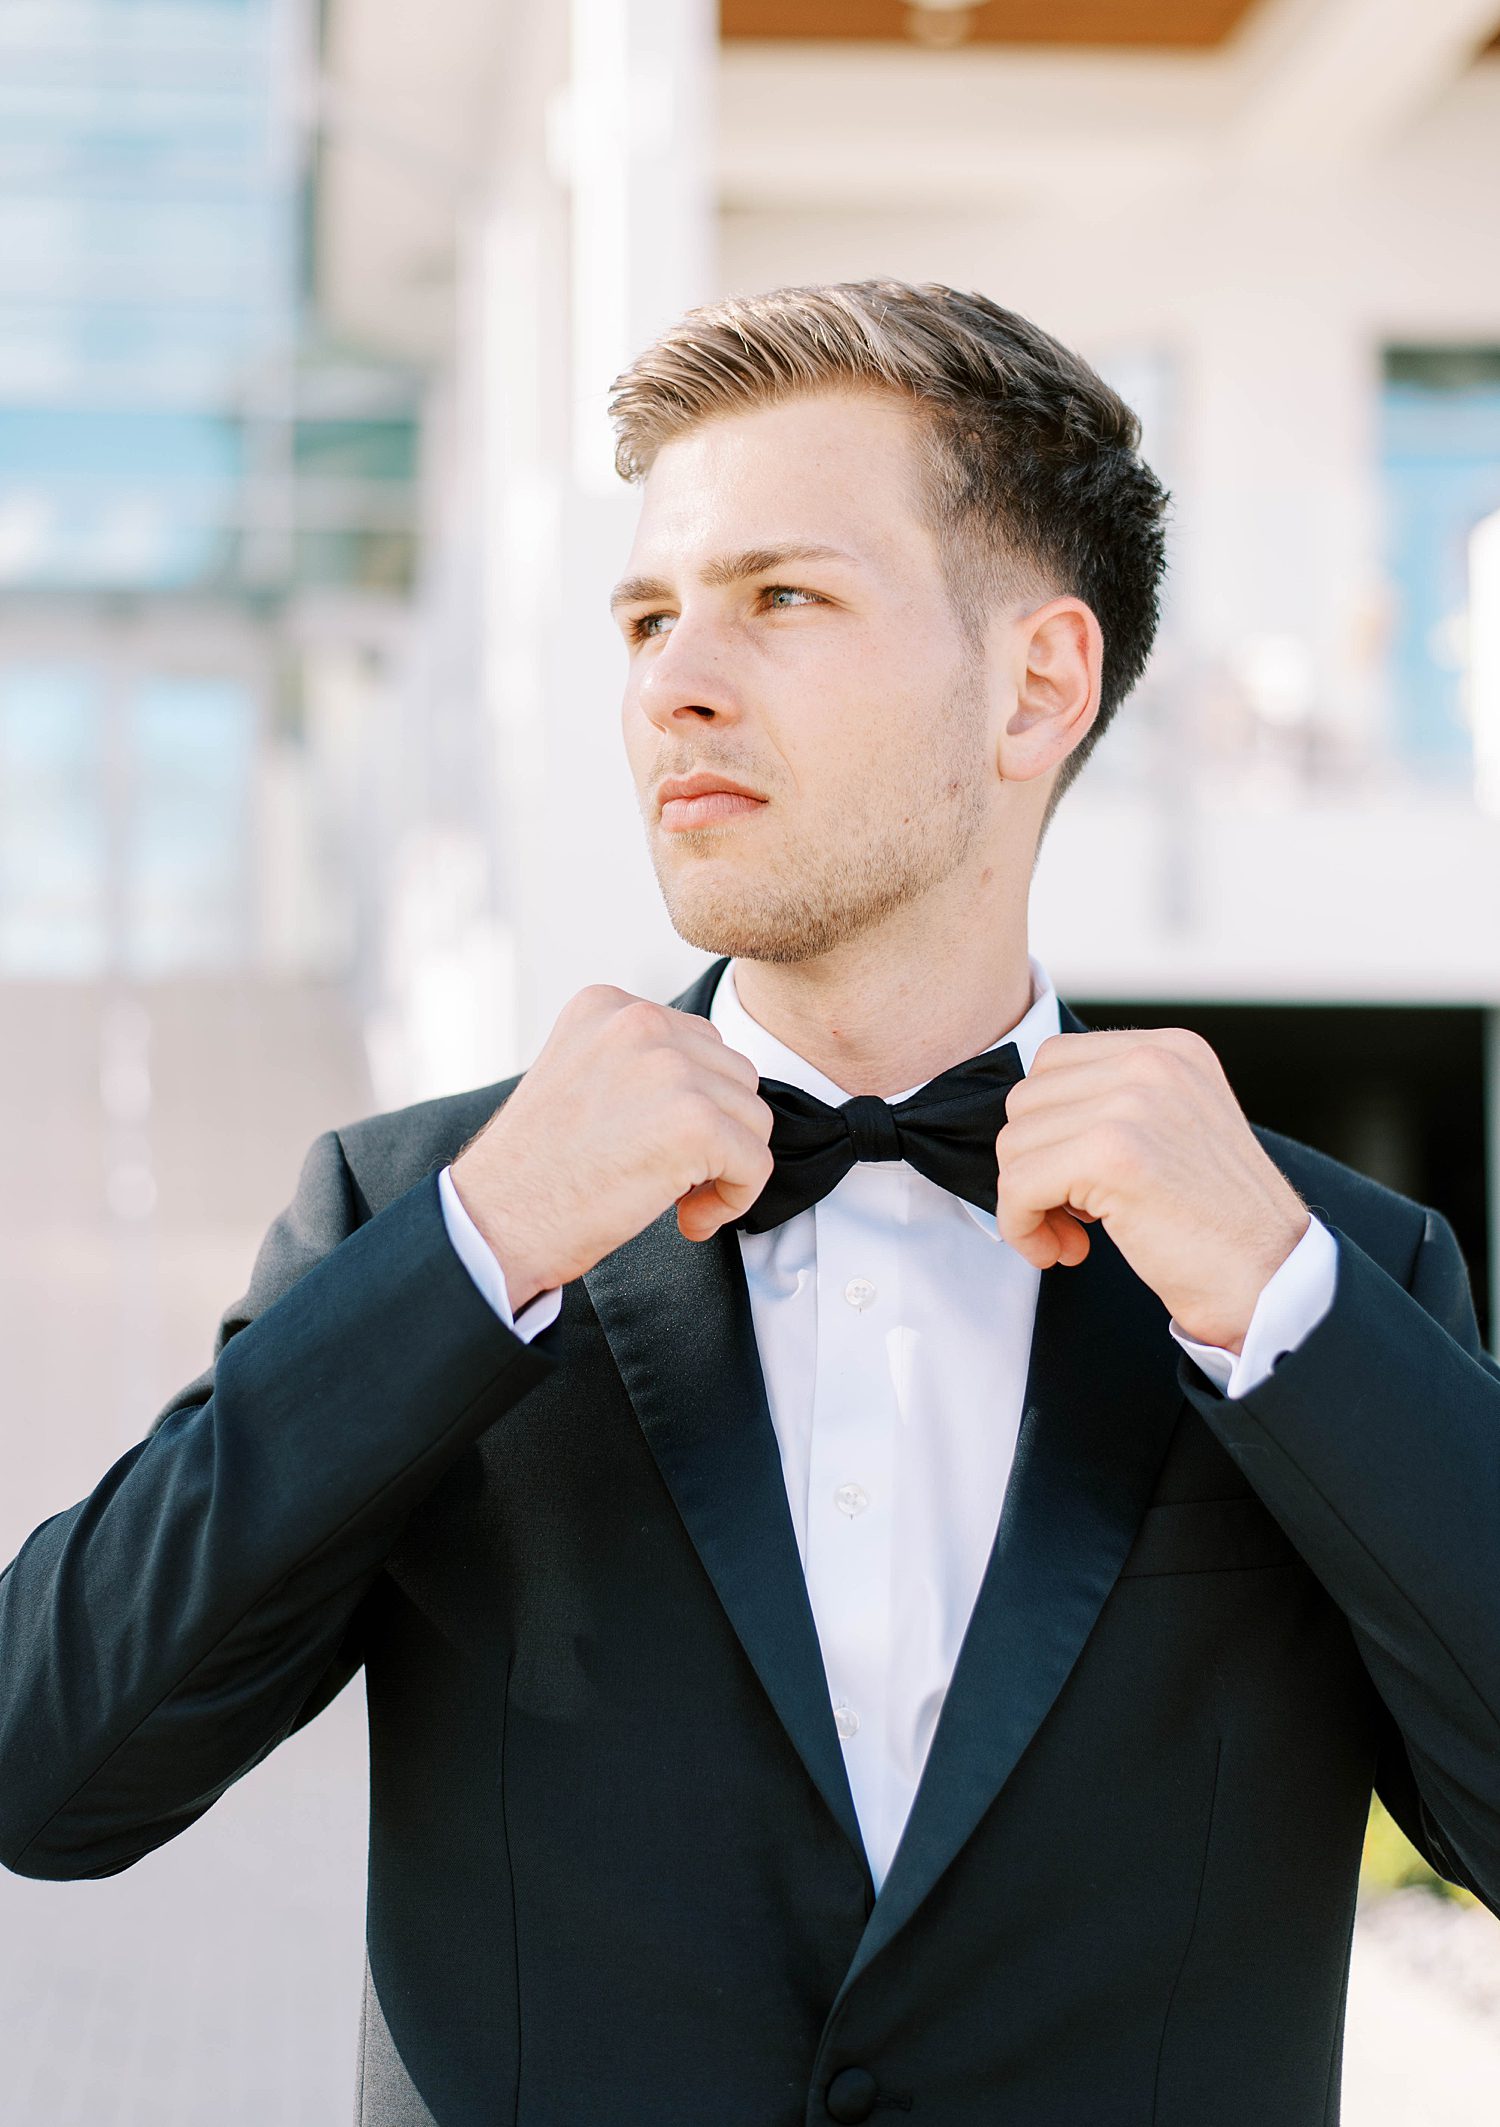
x=1206, y=1536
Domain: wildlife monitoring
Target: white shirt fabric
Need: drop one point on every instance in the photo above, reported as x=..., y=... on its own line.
x=894, y=1331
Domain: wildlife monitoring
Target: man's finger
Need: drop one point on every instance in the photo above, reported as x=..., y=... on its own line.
x=1055, y=1238
x=745, y=1172
x=1066, y=1051
x=1035, y=1196
x=707, y=1045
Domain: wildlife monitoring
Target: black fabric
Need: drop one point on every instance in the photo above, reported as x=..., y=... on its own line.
x=616, y=1878
x=946, y=1130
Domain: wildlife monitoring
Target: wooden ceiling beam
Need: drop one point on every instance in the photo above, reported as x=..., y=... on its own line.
x=1187, y=25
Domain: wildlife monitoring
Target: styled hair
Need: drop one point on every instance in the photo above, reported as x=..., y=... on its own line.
x=1030, y=468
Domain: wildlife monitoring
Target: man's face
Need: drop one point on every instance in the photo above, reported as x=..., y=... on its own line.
x=789, y=629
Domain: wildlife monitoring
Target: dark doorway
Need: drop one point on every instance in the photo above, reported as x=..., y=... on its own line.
x=1395, y=1091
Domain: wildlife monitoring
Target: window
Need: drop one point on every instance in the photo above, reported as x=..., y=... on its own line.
x=1441, y=463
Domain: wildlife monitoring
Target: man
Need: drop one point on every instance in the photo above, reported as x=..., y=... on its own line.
x=890, y=1535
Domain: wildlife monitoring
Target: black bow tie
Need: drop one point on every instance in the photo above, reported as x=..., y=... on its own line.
x=946, y=1130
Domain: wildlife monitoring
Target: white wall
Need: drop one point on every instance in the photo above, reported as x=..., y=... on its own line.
x=1267, y=300
x=1132, y=206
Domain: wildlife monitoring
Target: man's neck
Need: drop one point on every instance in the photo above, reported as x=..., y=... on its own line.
x=878, y=1020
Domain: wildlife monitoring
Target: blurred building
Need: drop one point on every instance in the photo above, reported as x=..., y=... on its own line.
x=307, y=317
x=1269, y=222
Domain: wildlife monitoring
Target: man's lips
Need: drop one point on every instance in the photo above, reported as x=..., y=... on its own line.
x=705, y=798
x=706, y=809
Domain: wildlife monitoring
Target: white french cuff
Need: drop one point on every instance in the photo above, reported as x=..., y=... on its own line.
x=478, y=1259
x=1292, y=1303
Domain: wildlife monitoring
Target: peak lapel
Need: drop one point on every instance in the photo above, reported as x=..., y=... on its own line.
x=677, y=1318
x=1100, y=1404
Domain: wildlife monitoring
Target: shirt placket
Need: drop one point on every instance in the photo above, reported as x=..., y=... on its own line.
x=851, y=1520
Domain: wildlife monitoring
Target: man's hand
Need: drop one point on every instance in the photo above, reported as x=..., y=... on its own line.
x=1141, y=1130
x=630, y=1107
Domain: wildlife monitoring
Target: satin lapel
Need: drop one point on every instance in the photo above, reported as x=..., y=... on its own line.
x=699, y=994
x=677, y=1317
x=1100, y=1404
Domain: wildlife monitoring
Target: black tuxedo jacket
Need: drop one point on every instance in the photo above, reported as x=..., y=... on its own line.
x=616, y=1879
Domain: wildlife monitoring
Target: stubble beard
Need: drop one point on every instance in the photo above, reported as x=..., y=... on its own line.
x=807, y=901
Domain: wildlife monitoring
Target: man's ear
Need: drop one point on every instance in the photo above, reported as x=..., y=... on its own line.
x=1057, y=662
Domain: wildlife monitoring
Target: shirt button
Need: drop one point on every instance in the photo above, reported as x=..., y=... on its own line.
x=851, y=1499
x=859, y=1292
x=846, y=1721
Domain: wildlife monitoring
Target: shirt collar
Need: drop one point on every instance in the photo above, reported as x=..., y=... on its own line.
x=773, y=1059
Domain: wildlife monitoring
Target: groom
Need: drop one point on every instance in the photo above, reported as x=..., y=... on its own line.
x=890, y=1535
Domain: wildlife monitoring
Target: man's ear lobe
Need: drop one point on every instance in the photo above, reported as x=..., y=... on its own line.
x=1059, y=662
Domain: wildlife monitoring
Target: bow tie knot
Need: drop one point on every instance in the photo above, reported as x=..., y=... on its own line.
x=872, y=1127
x=946, y=1130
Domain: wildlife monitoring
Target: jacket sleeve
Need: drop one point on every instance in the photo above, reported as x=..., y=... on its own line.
x=163, y=1635
x=1376, y=1445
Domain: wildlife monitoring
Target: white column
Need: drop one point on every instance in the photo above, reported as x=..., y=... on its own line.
x=599, y=232
x=1277, y=553
x=637, y=139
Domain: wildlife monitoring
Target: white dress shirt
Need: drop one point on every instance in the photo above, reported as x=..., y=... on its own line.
x=894, y=1331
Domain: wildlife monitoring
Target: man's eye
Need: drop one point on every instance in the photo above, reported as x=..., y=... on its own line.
x=644, y=627
x=774, y=593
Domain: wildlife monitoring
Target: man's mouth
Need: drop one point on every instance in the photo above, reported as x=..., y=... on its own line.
x=703, y=799
x=707, y=810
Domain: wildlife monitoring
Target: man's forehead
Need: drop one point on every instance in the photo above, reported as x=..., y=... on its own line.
x=702, y=531
x=813, y=441
x=817, y=478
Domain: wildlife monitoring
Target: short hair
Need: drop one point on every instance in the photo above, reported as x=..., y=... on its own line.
x=1031, y=471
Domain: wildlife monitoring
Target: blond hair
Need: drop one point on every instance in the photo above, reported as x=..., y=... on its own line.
x=1030, y=471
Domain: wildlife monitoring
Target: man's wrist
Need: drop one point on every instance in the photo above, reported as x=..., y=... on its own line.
x=522, y=1282
x=1293, y=1302
x=1229, y=1328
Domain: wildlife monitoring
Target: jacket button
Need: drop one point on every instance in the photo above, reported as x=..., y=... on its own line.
x=851, y=2096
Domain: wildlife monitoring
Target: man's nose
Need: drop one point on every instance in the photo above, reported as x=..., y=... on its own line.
x=688, y=677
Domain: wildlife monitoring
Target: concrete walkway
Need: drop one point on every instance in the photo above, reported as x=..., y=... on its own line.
x=216, y=1983
x=145, y=1143
x=1422, y=2043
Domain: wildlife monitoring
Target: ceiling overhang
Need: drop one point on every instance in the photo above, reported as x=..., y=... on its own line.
x=1142, y=25
x=852, y=118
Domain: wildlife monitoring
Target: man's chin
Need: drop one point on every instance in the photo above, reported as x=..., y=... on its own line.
x=735, y=929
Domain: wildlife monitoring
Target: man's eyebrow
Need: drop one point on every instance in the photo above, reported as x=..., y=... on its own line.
x=727, y=569
x=638, y=591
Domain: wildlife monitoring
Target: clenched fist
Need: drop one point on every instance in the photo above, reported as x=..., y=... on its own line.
x=630, y=1107
x=1139, y=1128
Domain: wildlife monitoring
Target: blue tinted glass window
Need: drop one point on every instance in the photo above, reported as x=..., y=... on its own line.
x=163, y=422
x=1441, y=452
x=52, y=822
x=187, y=861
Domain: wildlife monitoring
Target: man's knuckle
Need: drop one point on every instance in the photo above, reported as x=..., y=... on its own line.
x=1187, y=1053
x=1133, y=1105
x=674, y=1074
x=700, y=1113
x=1116, y=1147
x=1154, y=1064
x=642, y=1015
